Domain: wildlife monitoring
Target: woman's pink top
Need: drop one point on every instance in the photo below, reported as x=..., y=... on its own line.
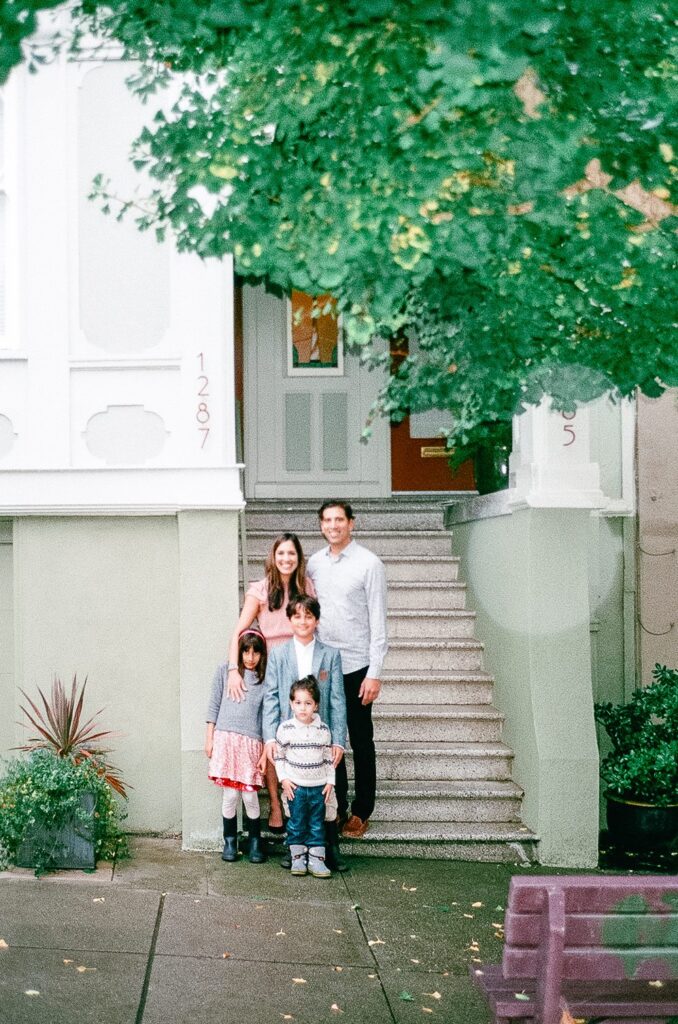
x=274, y=625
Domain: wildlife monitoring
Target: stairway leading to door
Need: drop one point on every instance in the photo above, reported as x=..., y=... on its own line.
x=444, y=785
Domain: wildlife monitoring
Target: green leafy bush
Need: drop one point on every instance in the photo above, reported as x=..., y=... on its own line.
x=643, y=762
x=42, y=794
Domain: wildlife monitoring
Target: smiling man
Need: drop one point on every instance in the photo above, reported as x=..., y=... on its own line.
x=351, y=585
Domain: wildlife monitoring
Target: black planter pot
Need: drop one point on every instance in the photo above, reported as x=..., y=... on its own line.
x=639, y=826
x=491, y=468
x=71, y=847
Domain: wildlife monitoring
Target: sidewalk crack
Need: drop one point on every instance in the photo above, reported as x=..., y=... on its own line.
x=149, y=966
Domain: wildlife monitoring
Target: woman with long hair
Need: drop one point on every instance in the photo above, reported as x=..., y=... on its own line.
x=266, y=600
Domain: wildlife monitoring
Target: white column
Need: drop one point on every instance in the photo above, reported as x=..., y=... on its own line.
x=551, y=464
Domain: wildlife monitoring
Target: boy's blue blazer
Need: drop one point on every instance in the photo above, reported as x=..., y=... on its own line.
x=282, y=671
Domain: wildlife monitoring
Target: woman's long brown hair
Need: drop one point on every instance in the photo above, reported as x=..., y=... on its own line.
x=297, y=584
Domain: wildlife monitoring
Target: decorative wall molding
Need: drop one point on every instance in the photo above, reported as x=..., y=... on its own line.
x=129, y=491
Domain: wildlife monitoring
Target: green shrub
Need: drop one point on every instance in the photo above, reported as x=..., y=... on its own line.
x=42, y=794
x=643, y=762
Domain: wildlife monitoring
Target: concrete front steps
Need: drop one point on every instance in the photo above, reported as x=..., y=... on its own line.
x=444, y=775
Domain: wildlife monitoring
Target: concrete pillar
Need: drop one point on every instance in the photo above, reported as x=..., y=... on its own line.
x=208, y=611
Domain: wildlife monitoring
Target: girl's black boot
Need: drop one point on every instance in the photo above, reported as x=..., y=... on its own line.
x=257, y=852
x=230, y=851
x=332, y=853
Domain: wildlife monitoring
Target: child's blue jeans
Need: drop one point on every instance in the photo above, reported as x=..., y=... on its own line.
x=306, y=826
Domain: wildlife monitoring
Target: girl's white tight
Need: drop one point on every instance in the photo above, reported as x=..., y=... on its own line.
x=229, y=805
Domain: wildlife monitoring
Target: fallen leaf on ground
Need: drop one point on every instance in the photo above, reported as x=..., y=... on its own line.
x=495, y=924
x=299, y=981
x=476, y=960
x=99, y=899
x=225, y=956
x=3, y=944
x=31, y=992
x=522, y=996
x=656, y=984
x=356, y=906
x=469, y=915
x=259, y=906
x=68, y=961
x=426, y=1009
x=408, y=888
x=287, y=1016
x=433, y=995
x=413, y=936
x=371, y=975
x=81, y=969
x=339, y=969
x=337, y=1009
x=338, y=931
x=281, y=932
x=376, y=942
x=414, y=961
x=477, y=904
x=406, y=997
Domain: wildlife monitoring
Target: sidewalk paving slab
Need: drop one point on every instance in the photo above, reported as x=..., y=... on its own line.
x=270, y=931
x=270, y=881
x=417, y=997
x=45, y=986
x=42, y=915
x=196, y=991
x=164, y=866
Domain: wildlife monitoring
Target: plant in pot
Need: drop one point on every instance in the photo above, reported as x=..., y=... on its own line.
x=59, y=804
x=640, y=773
x=488, y=445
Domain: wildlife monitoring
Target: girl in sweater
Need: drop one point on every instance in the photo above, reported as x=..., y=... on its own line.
x=233, y=744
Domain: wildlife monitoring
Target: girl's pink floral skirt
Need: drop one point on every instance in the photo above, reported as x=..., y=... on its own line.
x=234, y=761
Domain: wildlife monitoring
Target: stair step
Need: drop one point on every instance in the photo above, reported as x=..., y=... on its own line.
x=406, y=623
x=417, y=595
x=431, y=653
x=395, y=514
x=435, y=688
x=439, y=761
x=474, y=723
x=399, y=568
x=462, y=801
x=381, y=542
x=497, y=841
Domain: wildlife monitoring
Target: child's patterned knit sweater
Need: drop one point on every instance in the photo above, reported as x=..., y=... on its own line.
x=304, y=752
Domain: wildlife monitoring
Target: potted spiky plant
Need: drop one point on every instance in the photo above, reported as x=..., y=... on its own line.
x=58, y=804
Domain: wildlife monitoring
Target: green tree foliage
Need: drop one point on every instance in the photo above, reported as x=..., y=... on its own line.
x=495, y=177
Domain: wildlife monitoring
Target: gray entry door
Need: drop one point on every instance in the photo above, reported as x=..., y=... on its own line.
x=302, y=433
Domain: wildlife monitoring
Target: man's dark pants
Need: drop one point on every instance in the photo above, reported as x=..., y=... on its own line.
x=361, y=735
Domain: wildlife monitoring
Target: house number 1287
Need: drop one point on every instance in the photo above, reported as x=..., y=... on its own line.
x=202, y=413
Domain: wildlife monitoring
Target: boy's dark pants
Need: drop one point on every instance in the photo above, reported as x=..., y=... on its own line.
x=306, y=826
x=361, y=735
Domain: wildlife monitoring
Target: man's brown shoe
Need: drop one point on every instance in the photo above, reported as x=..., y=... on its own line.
x=355, y=827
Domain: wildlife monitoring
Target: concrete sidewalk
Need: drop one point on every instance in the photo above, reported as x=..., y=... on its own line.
x=171, y=937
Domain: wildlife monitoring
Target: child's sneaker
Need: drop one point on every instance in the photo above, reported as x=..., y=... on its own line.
x=316, y=862
x=298, y=855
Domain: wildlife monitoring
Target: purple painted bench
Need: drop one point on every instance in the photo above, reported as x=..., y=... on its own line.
x=592, y=946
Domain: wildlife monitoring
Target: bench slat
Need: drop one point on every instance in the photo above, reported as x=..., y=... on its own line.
x=597, y=929
x=617, y=965
x=597, y=894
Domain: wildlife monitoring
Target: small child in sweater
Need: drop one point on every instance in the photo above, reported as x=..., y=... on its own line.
x=305, y=767
x=233, y=743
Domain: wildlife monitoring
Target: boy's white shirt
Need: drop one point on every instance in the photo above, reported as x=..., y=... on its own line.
x=304, y=653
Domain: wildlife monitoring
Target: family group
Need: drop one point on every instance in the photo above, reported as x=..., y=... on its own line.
x=294, y=685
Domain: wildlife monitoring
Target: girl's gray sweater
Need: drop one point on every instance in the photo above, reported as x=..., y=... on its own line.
x=243, y=718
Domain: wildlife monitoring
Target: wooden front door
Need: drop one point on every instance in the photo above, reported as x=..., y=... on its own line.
x=419, y=461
